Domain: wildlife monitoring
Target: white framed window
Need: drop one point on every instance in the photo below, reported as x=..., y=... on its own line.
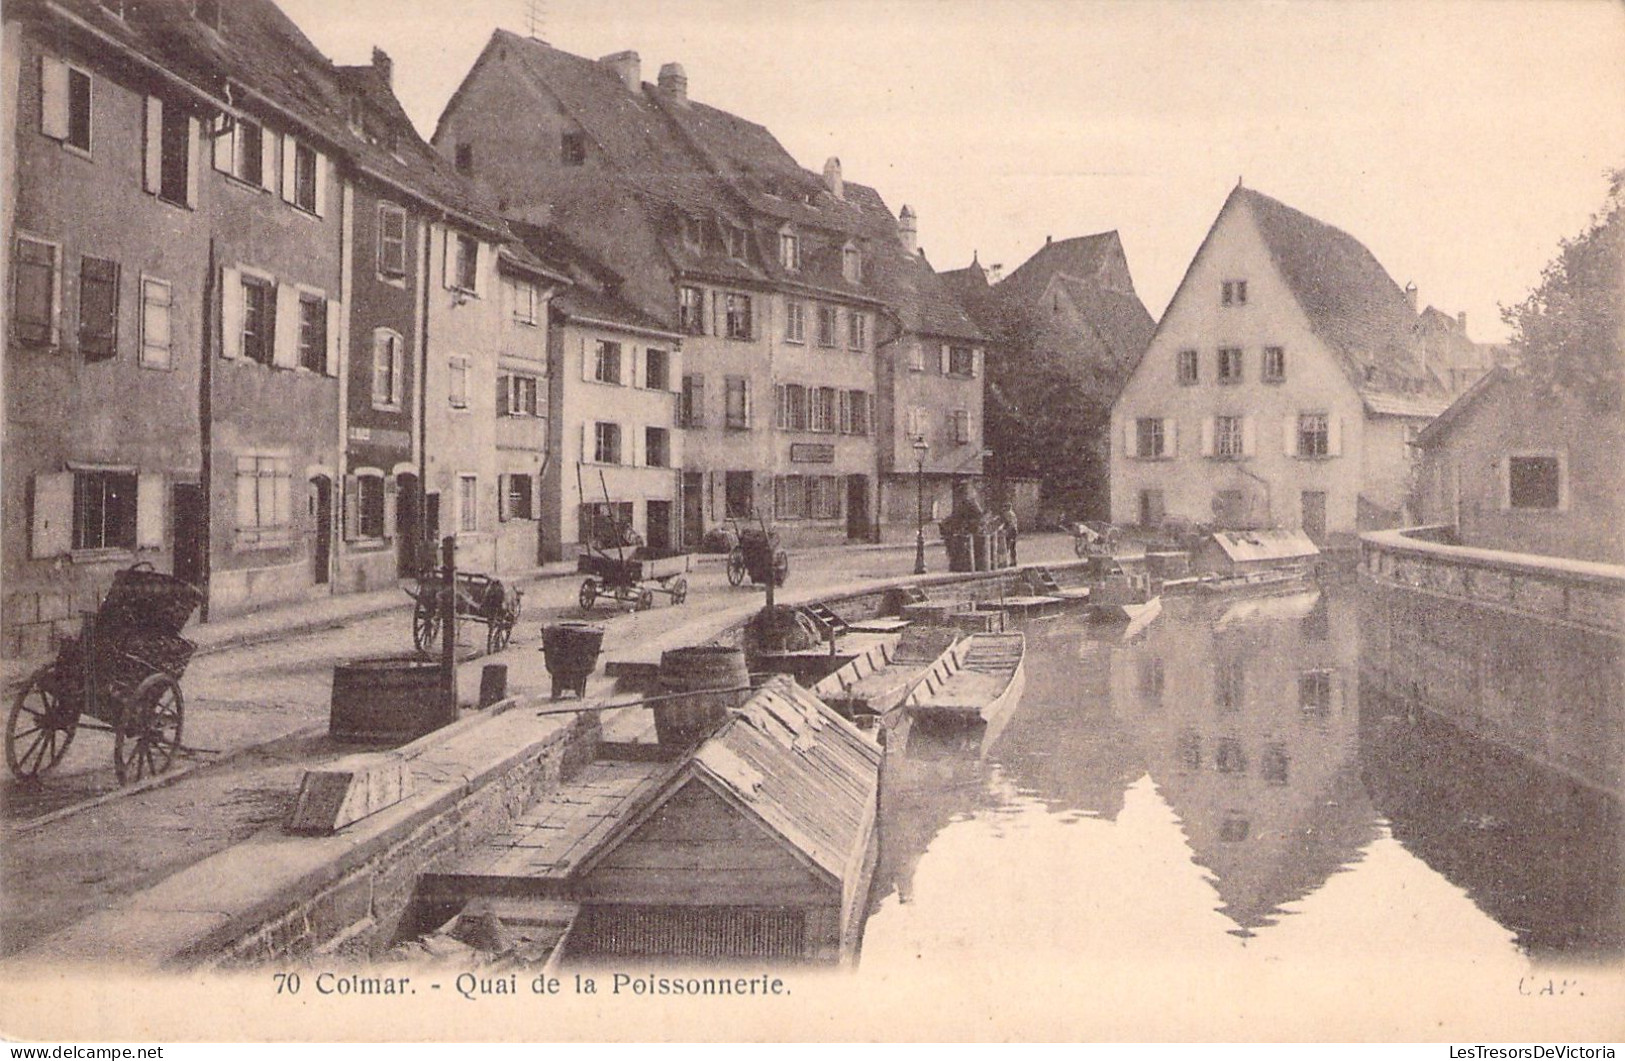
x=738, y=242
x=606, y=362
x=790, y=251
x=391, y=241
x=157, y=299
x=519, y=496
x=305, y=161
x=606, y=442
x=370, y=506
x=855, y=413
x=828, y=325
x=795, y=322
x=457, y=385
x=36, y=291
x=518, y=395
x=1230, y=364
x=468, y=504
x=1314, y=435
x=1233, y=293
x=312, y=332
x=737, y=405
x=961, y=362
x=691, y=406
x=657, y=447
x=656, y=369
x=822, y=410
x=104, y=509
x=1189, y=368
x=258, y=319
x=789, y=497
x=959, y=424
x=462, y=262
x=916, y=357
x=1150, y=439
x=736, y=314
x=240, y=150
x=691, y=310
x=264, y=492
x=1228, y=436
x=823, y=497
x=857, y=330
x=169, y=158
x=388, y=368
x=792, y=407
x=65, y=110
x=852, y=264
x=1273, y=369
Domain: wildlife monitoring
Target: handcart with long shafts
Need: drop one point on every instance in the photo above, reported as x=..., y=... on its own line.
x=758, y=555
x=633, y=577
x=123, y=671
x=480, y=598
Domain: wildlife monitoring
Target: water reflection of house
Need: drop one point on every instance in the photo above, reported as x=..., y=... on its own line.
x=1245, y=713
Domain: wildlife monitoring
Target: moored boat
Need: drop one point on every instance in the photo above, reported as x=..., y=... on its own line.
x=969, y=700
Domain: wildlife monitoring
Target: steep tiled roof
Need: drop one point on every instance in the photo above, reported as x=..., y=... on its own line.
x=261, y=61
x=1080, y=256
x=1352, y=303
x=593, y=294
x=1118, y=319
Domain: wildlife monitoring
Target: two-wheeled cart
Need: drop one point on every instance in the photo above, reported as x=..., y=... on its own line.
x=479, y=598
x=633, y=577
x=123, y=671
x=758, y=555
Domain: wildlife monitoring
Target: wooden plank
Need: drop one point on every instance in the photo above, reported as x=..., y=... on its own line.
x=710, y=889
x=715, y=855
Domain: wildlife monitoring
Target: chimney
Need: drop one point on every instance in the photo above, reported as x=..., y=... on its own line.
x=674, y=82
x=628, y=67
x=908, y=232
x=1461, y=321
x=1048, y=240
x=1410, y=295
x=383, y=65
x=995, y=273
x=832, y=177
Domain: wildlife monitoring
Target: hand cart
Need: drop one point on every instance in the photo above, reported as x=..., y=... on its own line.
x=759, y=556
x=123, y=670
x=634, y=578
x=480, y=598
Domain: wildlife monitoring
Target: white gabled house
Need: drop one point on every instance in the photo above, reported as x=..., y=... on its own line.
x=1283, y=387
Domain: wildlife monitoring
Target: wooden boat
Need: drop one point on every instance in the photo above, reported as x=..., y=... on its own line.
x=969, y=697
x=870, y=687
x=1124, y=597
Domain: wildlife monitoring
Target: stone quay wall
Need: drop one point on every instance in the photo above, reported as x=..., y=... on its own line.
x=1527, y=651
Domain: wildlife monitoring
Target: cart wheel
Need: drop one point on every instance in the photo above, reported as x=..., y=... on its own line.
x=39, y=729
x=426, y=627
x=499, y=633
x=589, y=593
x=679, y=591
x=781, y=567
x=150, y=733
x=645, y=601
x=736, y=566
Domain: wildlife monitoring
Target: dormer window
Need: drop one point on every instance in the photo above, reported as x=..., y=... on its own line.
x=852, y=264
x=573, y=149
x=208, y=13
x=465, y=158
x=790, y=250
x=692, y=231
x=738, y=242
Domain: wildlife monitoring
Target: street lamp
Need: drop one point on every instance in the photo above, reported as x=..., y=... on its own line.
x=921, y=448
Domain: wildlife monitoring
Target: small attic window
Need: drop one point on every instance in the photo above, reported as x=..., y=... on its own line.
x=852, y=264
x=465, y=158
x=738, y=242
x=790, y=250
x=208, y=13
x=573, y=149
x=692, y=231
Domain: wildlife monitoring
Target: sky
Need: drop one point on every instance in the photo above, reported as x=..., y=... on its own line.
x=1458, y=141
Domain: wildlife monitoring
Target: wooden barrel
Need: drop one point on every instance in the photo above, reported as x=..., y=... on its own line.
x=388, y=699
x=572, y=650
x=687, y=720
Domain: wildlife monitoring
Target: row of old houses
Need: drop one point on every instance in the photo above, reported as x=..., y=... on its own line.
x=262, y=334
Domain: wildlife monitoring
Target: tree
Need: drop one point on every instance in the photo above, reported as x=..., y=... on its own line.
x=1568, y=336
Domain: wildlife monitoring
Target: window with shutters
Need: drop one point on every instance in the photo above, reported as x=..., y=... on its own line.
x=1314, y=435
x=789, y=497
x=961, y=362
x=606, y=362
x=1274, y=367
x=259, y=319
x=827, y=325
x=521, y=494
x=36, y=291
x=857, y=413
x=1189, y=370
x=1149, y=437
x=792, y=408
x=738, y=495
x=823, y=497
x=176, y=156
x=822, y=412
x=524, y=300
x=468, y=504
x=657, y=447
x=795, y=322
x=691, y=406
x=370, y=506
x=691, y=310
x=239, y=149
x=387, y=367
x=1229, y=364
x=391, y=241
x=960, y=424
x=790, y=251
x=606, y=443
x=1227, y=436
x=98, y=308
x=457, y=388
x=65, y=112
x=737, y=406
x=104, y=510
x=264, y=489
x=738, y=242
x=156, y=342
x=312, y=332
x=656, y=370
x=523, y=397
x=736, y=314
x=857, y=331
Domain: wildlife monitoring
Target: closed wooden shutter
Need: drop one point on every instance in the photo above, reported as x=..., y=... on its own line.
x=504, y=401
x=391, y=504
x=223, y=135
x=942, y=359
x=285, y=348
x=51, y=529
x=352, y=508
x=1334, y=435
x=53, y=97
x=587, y=361
x=268, y=175
x=1249, y=439
x=290, y=177
x=149, y=511
x=335, y=329
x=502, y=497
x=231, y=313
x=975, y=364
x=193, y=150
x=321, y=184
x=153, y=160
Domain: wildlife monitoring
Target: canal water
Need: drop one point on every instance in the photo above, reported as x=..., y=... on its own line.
x=1217, y=789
